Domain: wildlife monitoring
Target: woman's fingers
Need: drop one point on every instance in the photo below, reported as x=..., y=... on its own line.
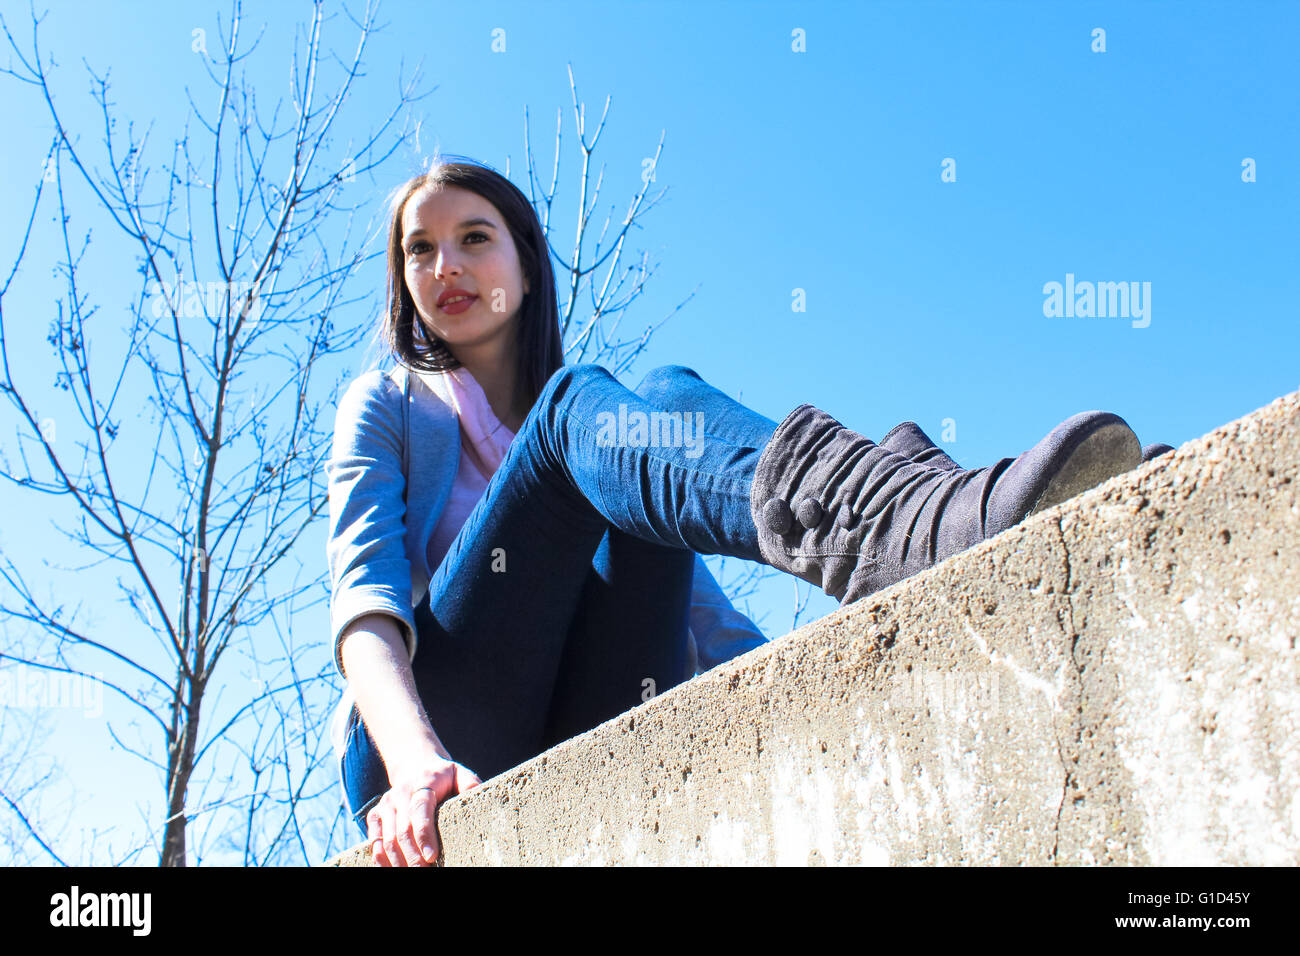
x=411, y=806
x=423, y=805
x=375, y=834
x=405, y=841
x=402, y=826
x=388, y=820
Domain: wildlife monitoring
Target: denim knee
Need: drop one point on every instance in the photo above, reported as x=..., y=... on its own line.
x=659, y=380
x=566, y=376
x=559, y=385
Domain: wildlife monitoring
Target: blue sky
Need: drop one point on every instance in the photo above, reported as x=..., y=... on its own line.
x=818, y=171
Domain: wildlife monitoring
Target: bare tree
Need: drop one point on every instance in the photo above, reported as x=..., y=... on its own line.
x=591, y=338
x=246, y=243
x=247, y=239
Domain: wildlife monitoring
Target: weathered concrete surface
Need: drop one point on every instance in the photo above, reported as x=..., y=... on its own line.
x=1114, y=681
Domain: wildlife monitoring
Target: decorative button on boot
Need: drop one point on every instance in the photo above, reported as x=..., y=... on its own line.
x=776, y=516
x=809, y=513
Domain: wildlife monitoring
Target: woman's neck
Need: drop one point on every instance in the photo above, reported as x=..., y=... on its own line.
x=496, y=376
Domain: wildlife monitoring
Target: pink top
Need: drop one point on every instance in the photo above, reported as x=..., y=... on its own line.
x=483, y=444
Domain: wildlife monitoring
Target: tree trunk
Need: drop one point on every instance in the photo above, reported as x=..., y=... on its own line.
x=180, y=766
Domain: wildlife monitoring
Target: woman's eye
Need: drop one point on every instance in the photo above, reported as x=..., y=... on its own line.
x=419, y=247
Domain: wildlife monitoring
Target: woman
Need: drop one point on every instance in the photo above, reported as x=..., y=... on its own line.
x=514, y=555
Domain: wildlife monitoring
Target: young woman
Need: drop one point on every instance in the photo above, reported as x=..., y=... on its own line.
x=514, y=551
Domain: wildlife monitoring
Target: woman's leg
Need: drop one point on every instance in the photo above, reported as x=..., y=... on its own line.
x=627, y=636
x=676, y=387
x=491, y=632
x=364, y=778
x=628, y=639
x=504, y=600
x=658, y=475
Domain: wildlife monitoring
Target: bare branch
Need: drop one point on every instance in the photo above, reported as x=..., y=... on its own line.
x=22, y=817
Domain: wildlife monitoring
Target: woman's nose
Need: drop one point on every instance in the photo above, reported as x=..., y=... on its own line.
x=446, y=266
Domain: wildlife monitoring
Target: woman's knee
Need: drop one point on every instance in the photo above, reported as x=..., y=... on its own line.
x=660, y=381
x=566, y=377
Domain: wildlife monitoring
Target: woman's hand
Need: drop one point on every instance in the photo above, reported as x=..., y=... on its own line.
x=401, y=826
x=421, y=773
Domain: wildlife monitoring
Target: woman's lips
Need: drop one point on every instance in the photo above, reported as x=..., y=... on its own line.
x=460, y=305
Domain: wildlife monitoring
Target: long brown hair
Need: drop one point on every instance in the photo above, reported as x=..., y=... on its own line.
x=540, y=350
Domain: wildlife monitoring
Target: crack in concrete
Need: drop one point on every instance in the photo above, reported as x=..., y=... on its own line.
x=519, y=834
x=1078, y=714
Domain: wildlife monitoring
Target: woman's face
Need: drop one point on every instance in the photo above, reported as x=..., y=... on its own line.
x=454, y=239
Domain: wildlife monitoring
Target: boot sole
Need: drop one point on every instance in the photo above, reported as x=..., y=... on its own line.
x=1109, y=450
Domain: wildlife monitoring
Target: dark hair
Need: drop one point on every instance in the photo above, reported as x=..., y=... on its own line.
x=540, y=349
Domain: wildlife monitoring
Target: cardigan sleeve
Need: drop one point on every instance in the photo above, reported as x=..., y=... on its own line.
x=719, y=630
x=366, y=546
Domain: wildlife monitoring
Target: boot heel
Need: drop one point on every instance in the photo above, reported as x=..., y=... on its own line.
x=1100, y=456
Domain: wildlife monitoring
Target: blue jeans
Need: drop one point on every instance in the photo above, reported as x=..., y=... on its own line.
x=567, y=591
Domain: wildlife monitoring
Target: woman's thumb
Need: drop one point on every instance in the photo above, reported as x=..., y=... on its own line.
x=465, y=779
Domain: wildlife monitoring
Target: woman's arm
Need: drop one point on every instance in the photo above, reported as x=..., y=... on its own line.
x=421, y=772
x=377, y=668
x=366, y=543
x=370, y=609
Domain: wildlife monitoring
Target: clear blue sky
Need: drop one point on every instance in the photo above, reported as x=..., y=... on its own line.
x=821, y=171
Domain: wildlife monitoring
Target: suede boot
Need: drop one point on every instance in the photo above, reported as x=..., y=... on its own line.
x=834, y=508
x=909, y=441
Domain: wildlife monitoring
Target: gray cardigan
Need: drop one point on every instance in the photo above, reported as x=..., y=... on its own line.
x=381, y=520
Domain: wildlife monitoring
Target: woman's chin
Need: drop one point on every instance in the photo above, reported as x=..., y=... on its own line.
x=469, y=335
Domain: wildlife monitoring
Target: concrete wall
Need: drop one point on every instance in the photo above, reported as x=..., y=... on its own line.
x=1112, y=682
